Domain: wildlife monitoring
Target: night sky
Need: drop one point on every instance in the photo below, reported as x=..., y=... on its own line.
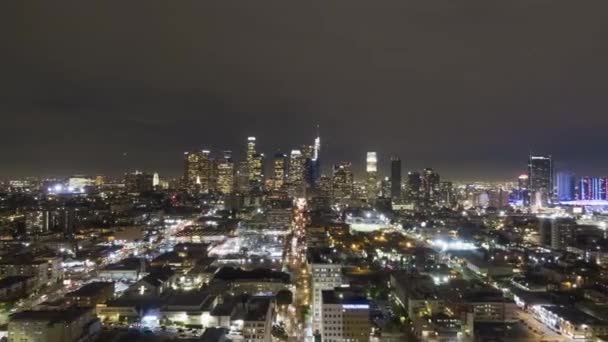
x=465, y=87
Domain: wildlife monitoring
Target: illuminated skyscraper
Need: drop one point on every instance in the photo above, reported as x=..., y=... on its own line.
x=540, y=171
x=225, y=174
x=395, y=178
x=155, y=179
x=371, y=170
x=564, y=186
x=430, y=185
x=296, y=168
x=255, y=161
x=524, y=189
x=342, y=181
x=593, y=188
x=206, y=173
x=279, y=170
x=192, y=170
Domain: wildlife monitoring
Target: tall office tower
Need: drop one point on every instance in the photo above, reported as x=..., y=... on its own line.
x=592, y=188
x=296, y=168
x=307, y=151
x=564, y=186
x=395, y=178
x=371, y=170
x=524, y=189
x=385, y=188
x=414, y=186
x=315, y=172
x=242, y=177
x=225, y=173
x=279, y=170
x=430, y=184
x=324, y=186
x=342, y=181
x=446, y=194
x=192, y=170
x=255, y=163
x=206, y=174
x=155, y=179
x=540, y=171
x=256, y=171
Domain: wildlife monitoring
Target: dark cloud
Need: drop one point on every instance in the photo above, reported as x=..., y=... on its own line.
x=468, y=87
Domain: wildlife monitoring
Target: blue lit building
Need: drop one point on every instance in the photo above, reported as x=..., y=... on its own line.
x=565, y=186
x=592, y=188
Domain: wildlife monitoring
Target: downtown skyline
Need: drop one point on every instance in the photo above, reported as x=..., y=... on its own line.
x=418, y=80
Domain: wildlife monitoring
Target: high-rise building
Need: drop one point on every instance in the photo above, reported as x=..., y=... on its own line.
x=540, y=171
x=371, y=170
x=414, y=186
x=395, y=178
x=430, y=185
x=342, y=181
x=138, y=182
x=446, y=194
x=242, y=176
x=296, y=168
x=315, y=167
x=155, y=179
x=279, y=170
x=255, y=163
x=256, y=175
x=197, y=171
x=37, y=222
x=225, y=173
x=524, y=189
x=564, y=186
x=593, y=188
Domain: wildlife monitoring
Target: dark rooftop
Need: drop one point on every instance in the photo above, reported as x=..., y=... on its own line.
x=50, y=316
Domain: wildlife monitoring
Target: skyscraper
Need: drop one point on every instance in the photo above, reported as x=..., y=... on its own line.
x=192, y=170
x=430, y=185
x=342, y=181
x=395, y=178
x=524, y=189
x=372, y=175
x=593, y=188
x=540, y=171
x=414, y=186
x=564, y=186
x=206, y=171
x=279, y=170
x=255, y=163
x=296, y=169
x=225, y=174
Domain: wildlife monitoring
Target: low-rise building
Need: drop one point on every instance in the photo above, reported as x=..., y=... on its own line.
x=345, y=316
x=15, y=287
x=45, y=270
x=91, y=294
x=68, y=325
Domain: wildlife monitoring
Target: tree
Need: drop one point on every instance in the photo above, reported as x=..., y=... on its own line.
x=284, y=297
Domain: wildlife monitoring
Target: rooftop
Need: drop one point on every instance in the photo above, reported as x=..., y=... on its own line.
x=50, y=316
x=91, y=289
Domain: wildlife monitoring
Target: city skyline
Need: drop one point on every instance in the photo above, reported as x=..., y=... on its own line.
x=417, y=80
